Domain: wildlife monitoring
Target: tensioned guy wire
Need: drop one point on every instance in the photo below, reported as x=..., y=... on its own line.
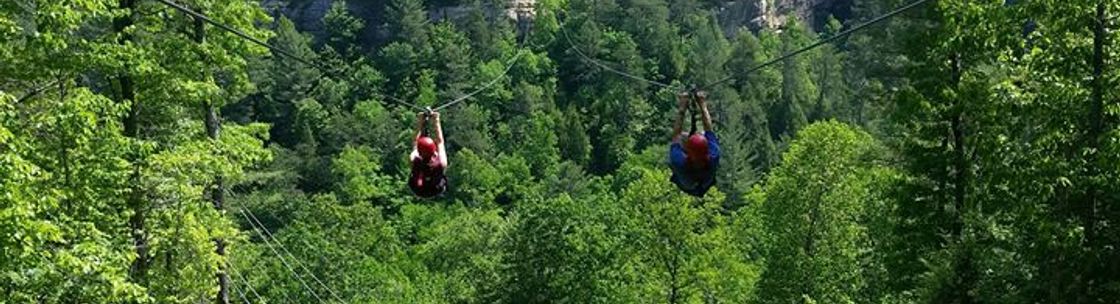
x=323, y=68
x=241, y=294
x=839, y=35
x=564, y=32
x=245, y=282
x=282, y=259
x=509, y=67
x=567, y=38
x=290, y=255
x=283, y=292
x=276, y=50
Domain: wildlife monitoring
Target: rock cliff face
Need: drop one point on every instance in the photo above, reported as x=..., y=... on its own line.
x=734, y=14
x=308, y=15
x=759, y=14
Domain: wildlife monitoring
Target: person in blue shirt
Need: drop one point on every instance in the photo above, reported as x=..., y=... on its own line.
x=695, y=160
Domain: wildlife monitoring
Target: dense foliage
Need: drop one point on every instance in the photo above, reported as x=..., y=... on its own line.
x=964, y=152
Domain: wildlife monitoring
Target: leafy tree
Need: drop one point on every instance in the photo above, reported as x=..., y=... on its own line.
x=285, y=83
x=61, y=248
x=400, y=62
x=537, y=143
x=832, y=98
x=451, y=60
x=565, y=250
x=123, y=124
x=575, y=145
x=408, y=23
x=358, y=176
x=343, y=29
x=648, y=22
x=789, y=115
x=465, y=250
x=813, y=205
x=758, y=92
x=683, y=243
x=489, y=36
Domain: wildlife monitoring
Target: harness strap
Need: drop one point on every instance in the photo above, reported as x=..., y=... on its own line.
x=694, y=108
x=426, y=130
x=693, y=131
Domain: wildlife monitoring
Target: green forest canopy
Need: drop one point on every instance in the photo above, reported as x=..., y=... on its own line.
x=964, y=152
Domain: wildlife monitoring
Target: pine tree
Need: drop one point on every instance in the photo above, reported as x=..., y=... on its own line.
x=757, y=91
x=408, y=22
x=285, y=82
x=798, y=90
x=343, y=29
x=832, y=93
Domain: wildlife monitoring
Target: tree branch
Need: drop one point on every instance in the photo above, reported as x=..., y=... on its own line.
x=37, y=91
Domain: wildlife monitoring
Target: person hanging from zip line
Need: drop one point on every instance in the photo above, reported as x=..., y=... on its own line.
x=695, y=160
x=428, y=158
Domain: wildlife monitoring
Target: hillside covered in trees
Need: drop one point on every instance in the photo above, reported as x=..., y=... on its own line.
x=960, y=152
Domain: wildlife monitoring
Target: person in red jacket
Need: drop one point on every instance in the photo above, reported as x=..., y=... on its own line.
x=428, y=158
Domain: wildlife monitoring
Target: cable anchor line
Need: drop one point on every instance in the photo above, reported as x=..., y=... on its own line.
x=488, y=85
x=584, y=57
x=821, y=42
x=281, y=256
x=279, y=51
x=289, y=253
x=323, y=68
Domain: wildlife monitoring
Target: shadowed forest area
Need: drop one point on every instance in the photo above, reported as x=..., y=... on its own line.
x=963, y=151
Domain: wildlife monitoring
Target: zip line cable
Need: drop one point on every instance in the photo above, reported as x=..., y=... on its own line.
x=328, y=71
x=564, y=32
x=832, y=38
x=302, y=240
x=567, y=38
x=283, y=292
x=322, y=68
x=509, y=67
x=305, y=244
x=285, y=249
x=239, y=291
x=494, y=81
x=244, y=281
x=282, y=259
x=277, y=50
x=233, y=31
x=241, y=294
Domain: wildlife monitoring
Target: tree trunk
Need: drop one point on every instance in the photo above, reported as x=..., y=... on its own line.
x=137, y=221
x=674, y=292
x=960, y=151
x=961, y=176
x=808, y=287
x=1092, y=262
x=822, y=85
x=217, y=191
x=1096, y=125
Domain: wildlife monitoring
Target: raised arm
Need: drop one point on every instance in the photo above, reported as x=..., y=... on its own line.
x=702, y=99
x=421, y=119
x=682, y=104
x=438, y=128
x=439, y=139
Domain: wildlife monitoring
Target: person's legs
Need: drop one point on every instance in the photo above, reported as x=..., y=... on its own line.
x=441, y=186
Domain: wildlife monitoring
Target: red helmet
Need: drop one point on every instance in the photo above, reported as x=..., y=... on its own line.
x=426, y=146
x=696, y=147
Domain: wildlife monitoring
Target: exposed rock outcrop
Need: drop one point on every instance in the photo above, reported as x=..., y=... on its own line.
x=759, y=14
x=735, y=14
